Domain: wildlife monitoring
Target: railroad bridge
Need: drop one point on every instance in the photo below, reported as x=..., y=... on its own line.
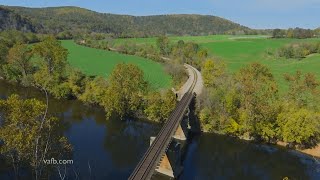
x=173, y=133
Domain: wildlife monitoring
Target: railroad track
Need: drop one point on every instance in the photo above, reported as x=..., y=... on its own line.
x=150, y=160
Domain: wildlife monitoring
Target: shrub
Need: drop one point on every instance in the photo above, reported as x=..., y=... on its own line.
x=298, y=51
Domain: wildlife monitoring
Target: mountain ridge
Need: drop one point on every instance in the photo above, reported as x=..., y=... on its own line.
x=11, y=20
x=72, y=18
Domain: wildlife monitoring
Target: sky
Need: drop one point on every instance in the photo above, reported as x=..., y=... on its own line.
x=259, y=14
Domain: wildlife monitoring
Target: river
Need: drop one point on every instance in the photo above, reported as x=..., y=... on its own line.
x=111, y=149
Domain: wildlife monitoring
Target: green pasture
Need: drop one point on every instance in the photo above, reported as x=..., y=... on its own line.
x=197, y=39
x=100, y=62
x=239, y=51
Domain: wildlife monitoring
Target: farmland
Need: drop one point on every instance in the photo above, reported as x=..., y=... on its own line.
x=99, y=62
x=238, y=51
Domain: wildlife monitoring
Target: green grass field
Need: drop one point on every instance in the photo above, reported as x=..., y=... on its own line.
x=239, y=51
x=197, y=39
x=100, y=62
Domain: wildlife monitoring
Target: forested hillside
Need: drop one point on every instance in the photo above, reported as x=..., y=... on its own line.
x=11, y=20
x=59, y=19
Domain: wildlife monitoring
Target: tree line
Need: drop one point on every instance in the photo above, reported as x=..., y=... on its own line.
x=247, y=104
x=76, y=21
x=298, y=33
x=299, y=50
x=79, y=20
x=44, y=65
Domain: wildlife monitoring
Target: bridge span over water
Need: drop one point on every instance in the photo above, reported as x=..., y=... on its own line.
x=156, y=159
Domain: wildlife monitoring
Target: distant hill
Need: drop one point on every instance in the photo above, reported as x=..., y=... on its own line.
x=11, y=20
x=58, y=19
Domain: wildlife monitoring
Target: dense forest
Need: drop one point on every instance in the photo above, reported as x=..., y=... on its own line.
x=74, y=19
x=11, y=20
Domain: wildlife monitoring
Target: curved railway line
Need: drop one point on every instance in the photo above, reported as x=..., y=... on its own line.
x=150, y=160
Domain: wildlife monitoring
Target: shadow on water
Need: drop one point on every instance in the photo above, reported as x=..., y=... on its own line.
x=211, y=156
x=111, y=149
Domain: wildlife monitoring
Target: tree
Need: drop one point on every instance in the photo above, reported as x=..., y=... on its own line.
x=159, y=106
x=53, y=54
x=51, y=71
x=95, y=91
x=19, y=57
x=76, y=82
x=302, y=33
x=125, y=91
x=317, y=32
x=211, y=71
x=278, y=33
x=177, y=72
x=168, y=105
x=3, y=51
x=258, y=93
x=190, y=53
x=290, y=33
x=219, y=107
x=29, y=135
x=153, y=106
x=303, y=89
x=299, y=125
x=163, y=44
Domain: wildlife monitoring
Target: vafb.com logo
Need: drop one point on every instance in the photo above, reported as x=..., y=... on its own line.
x=53, y=161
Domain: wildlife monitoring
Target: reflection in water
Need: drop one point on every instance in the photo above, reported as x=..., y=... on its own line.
x=101, y=149
x=218, y=157
x=111, y=149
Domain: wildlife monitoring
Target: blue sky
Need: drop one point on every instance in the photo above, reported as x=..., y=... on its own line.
x=252, y=13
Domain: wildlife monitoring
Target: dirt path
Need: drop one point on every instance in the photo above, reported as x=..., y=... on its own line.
x=313, y=152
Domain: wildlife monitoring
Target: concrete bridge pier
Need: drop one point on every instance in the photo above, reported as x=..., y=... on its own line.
x=170, y=163
x=180, y=134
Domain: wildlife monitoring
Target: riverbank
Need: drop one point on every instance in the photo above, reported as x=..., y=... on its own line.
x=313, y=151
